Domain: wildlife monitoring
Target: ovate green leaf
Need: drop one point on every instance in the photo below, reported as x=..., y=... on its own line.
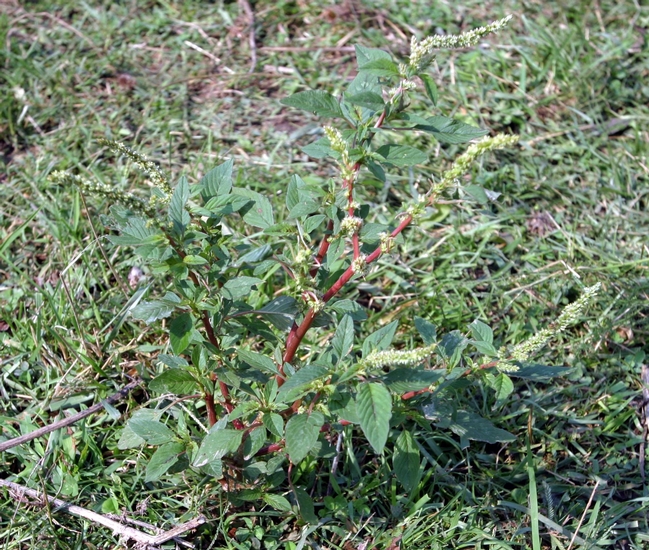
x=481, y=332
x=503, y=386
x=369, y=100
x=216, y=445
x=315, y=101
x=218, y=181
x=430, y=87
x=239, y=287
x=539, y=372
x=296, y=384
x=149, y=312
x=280, y=312
x=380, y=339
x=302, y=431
x=305, y=504
x=406, y=461
x=176, y=381
x=365, y=55
x=343, y=339
x=403, y=380
x=374, y=409
x=177, y=212
x=277, y=501
x=153, y=432
x=447, y=130
x=163, y=459
x=274, y=423
x=426, y=330
x=469, y=425
x=180, y=332
x=260, y=214
x=402, y=155
x=258, y=361
x=380, y=67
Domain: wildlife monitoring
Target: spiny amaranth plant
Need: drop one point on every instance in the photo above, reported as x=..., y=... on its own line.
x=242, y=305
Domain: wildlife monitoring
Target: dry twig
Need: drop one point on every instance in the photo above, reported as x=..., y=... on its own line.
x=124, y=531
x=70, y=420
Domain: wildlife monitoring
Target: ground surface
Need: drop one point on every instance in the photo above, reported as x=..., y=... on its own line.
x=183, y=85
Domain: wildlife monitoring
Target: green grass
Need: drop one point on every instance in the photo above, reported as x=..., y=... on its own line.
x=569, y=77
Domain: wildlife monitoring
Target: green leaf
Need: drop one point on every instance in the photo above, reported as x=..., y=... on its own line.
x=342, y=404
x=502, y=385
x=336, y=249
x=365, y=55
x=177, y=212
x=469, y=425
x=278, y=502
x=447, y=130
x=539, y=372
x=302, y=432
x=239, y=287
x=451, y=347
x=480, y=194
x=172, y=361
x=402, y=155
x=379, y=340
x=129, y=439
x=374, y=409
x=371, y=232
x=404, y=380
x=305, y=504
x=430, y=87
x=149, y=312
x=280, y=312
x=303, y=208
x=376, y=170
x=319, y=149
x=255, y=441
x=426, y=330
x=380, y=67
x=485, y=349
x=176, y=381
x=295, y=185
x=296, y=384
x=260, y=214
x=216, y=445
x=352, y=308
x=180, y=332
x=313, y=222
x=257, y=361
x=369, y=100
x=256, y=254
x=135, y=232
x=218, y=181
x=405, y=461
x=274, y=423
x=194, y=260
x=364, y=82
x=153, y=432
x=163, y=459
x=315, y=101
x=481, y=332
x=343, y=339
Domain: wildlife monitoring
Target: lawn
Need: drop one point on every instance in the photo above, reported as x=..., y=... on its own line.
x=189, y=86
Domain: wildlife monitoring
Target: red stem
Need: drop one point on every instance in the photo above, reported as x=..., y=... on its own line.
x=297, y=332
x=322, y=251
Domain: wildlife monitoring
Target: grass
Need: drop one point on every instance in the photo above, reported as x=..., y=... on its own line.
x=174, y=82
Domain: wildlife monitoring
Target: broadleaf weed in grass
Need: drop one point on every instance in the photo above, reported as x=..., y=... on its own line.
x=250, y=283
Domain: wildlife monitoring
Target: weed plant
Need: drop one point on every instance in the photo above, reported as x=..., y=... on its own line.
x=275, y=451
x=245, y=297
